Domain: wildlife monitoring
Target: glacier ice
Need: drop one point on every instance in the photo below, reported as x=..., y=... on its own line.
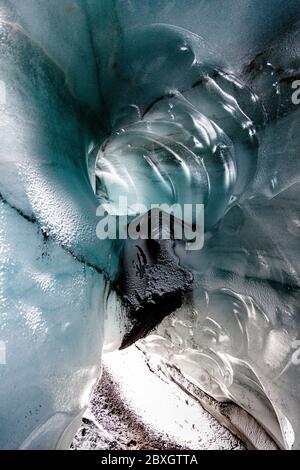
x=163, y=102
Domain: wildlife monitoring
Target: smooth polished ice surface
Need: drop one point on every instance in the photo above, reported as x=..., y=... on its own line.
x=195, y=97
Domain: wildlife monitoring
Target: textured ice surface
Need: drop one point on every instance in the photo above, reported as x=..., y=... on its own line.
x=201, y=91
x=121, y=416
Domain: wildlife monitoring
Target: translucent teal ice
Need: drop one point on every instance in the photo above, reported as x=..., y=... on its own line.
x=162, y=101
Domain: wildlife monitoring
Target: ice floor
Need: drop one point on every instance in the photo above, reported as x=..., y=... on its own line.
x=134, y=407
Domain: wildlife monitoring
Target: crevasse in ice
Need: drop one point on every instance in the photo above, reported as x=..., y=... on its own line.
x=164, y=102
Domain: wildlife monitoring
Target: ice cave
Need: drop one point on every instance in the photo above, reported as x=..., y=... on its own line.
x=146, y=324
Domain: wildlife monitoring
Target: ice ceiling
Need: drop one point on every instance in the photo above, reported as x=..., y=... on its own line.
x=163, y=101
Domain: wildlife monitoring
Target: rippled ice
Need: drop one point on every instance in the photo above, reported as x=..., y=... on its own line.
x=164, y=102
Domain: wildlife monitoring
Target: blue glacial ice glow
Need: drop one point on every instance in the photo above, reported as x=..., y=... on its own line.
x=163, y=102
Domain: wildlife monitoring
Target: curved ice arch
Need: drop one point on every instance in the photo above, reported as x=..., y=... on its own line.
x=48, y=220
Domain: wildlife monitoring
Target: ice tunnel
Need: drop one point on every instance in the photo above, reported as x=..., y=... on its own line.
x=149, y=192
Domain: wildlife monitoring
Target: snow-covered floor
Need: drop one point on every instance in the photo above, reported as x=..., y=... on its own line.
x=133, y=408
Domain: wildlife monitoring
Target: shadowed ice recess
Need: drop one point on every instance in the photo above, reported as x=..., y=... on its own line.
x=163, y=102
